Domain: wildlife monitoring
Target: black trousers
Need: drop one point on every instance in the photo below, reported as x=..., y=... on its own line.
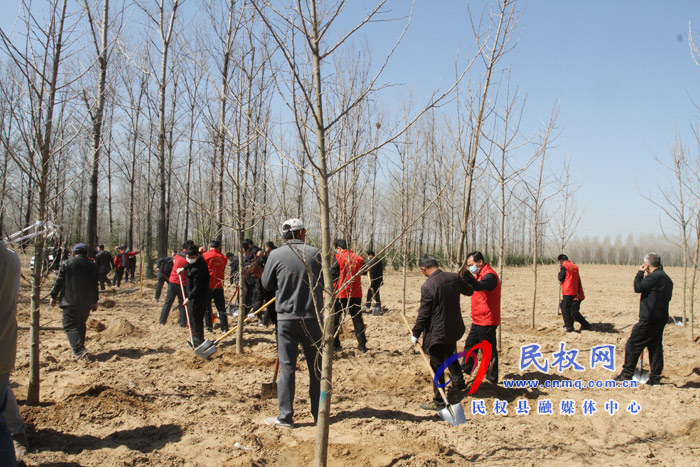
x=373, y=294
x=438, y=354
x=218, y=296
x=102, y=278
x=173, y=291
x=196, y=309
x=159, y=286
x=570, y=311
x=253, y=295
x=118, y=274
x=74, y=320
x=479, y=334
x=354, y=307
x=645, y=335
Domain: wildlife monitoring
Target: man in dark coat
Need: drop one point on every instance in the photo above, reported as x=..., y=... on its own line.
x=197, y=292
x=440, y=321
x=376, y=279
x=164, y=267
x=656, y=288
x=104, y=260
x=76, y=290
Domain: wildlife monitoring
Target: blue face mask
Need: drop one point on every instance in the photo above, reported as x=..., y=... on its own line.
x=473, y=269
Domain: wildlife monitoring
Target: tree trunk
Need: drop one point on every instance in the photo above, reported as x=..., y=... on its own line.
x=97, y=134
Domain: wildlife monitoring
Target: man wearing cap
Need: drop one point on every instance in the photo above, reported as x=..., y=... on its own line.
x=293, y=271
x=103, y=259
x=76, y=290
x=216, y=262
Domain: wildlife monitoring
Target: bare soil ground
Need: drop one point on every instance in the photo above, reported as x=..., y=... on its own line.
x=146, y=399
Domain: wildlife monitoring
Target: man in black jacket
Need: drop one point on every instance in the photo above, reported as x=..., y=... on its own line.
x=656, y=288
x=164, y=267
x=376, y=279
x=440, y=321
x=76, y=290
x=104, y=260
x=197, y=292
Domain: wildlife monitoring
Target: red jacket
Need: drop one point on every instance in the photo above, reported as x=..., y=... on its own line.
x=349, y=264
x=121, y=260
x=179, y=261
x=216, y=263
x=486, y=305
x=570, y=286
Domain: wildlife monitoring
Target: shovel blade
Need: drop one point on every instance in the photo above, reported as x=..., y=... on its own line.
x=269, y=391
x=641, y=376
x=205, y=350
x=453, y=414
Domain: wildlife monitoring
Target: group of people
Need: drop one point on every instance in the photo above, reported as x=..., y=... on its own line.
x=123, y=262
x=292, y=274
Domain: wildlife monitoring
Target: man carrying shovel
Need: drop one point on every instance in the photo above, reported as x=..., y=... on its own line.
x=197, y=293
x=440, y=321
x=294, y=272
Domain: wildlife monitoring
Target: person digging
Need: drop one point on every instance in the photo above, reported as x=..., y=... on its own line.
x=197, y=293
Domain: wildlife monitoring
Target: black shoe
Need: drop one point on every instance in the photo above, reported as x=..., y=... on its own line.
x=586, y=326
x=432, y=405
x=224, y=330
x=362, y=348
x=210, y=330
x=622, y=377
x=460, y=386
x=654, y=382
x=569, y=329
x=492, y=379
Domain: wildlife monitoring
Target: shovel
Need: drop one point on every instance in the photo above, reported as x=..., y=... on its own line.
x=207, y=348
x=187, y=312
x=453, y=414
x=641, y=375
x=269, y=390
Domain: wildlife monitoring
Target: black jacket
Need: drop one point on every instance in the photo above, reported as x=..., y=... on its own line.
x=104, y=260
x=376, y=271
x=197, y=279
x=76, y=284
x=656, y=290
x=439, y=315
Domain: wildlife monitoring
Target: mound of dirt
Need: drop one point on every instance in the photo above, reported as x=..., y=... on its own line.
x=94, y=325
x=122, y=328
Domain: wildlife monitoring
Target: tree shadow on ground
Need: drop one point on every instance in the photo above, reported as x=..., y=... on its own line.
x=133, y=354
x=382, y=414
x=143, y=439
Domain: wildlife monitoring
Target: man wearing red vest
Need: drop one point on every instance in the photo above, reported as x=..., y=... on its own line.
x=121, y=264
x=572, y=291
x=216, y=263
x=348, y=285
x=174, y=290
x=486, y=310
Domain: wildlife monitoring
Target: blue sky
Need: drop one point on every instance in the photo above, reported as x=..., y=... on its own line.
x=622, y=70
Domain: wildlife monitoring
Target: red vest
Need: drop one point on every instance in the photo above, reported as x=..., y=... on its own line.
x=349, y=265
x=571, y=282
x=216, y=263
x=178, y=262
x=486, y=306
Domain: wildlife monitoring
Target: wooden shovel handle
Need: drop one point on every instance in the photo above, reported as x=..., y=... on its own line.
x=245, y=321
x=425, y=359
x=277, y=368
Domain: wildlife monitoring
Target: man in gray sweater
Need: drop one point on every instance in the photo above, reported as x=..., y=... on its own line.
x=9, y=287
x=293, y=271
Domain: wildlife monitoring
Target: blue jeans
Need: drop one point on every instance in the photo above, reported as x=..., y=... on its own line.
x=7, y=448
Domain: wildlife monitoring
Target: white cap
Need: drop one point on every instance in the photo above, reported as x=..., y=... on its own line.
x=292, y=225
